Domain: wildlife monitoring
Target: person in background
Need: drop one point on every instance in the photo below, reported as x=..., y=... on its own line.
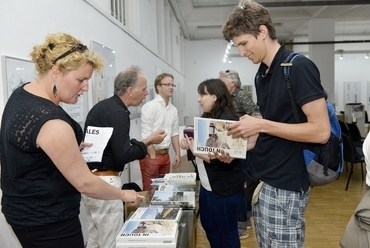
x=159, y=113
x=354, y=234
x=105, y=218
x=243, y=104
x=277, y=156
x=42, y=170
x=366, y=151
x=221, y=190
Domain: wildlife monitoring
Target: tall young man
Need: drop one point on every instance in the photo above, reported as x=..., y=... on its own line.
x=278, y=158
x=159, y=113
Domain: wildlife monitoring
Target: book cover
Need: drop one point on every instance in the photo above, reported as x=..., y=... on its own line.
x=157, y=213
x=156, y=182
x=148, y=231
x=210, y=136
x=183, y=199
x=177, y=187
x=184, y=176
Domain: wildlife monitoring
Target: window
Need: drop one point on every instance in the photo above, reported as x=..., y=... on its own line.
x=118, y=10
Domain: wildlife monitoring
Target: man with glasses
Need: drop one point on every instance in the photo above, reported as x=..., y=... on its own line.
x=243, y=104
x=156, y=114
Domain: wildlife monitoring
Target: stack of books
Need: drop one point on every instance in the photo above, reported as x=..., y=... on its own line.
x=174, y=199
x=175, y=190
x=151, y=227
x=157, y=225
x=176, y=182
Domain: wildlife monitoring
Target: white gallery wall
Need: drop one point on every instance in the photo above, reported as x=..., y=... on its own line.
x=25, y=23
x=204, y=60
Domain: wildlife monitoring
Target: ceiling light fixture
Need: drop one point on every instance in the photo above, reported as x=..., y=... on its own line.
x=367, y=56
x=227, y=51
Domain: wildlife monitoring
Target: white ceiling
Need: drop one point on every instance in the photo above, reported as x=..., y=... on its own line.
x=203, y=19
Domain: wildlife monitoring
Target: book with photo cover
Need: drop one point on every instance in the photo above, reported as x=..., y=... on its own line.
x=156, y=182
x=210, y=136
x=180, y=177
x=184, y=178
x=148, y=231
x=177, y=187
x=157, y=213
x=171, y=199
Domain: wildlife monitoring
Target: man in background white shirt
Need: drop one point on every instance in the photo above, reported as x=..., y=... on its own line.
x=159, y=113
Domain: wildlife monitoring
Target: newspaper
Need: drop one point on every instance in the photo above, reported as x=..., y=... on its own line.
x=210, y=136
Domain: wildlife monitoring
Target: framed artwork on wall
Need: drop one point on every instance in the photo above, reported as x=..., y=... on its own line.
x=16, y=72
x=368, y=92
x=103, y=83
x=352, y=92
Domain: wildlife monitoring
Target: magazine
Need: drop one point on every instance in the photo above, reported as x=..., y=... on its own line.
x=148, y=231
x=210, y=136
x=157, y=213
x=171, y=199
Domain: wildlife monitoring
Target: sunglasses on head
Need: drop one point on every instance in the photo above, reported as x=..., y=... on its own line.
x=77, y=47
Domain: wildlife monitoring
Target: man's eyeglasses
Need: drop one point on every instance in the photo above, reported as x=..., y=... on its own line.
x=169, y=85
x=77, y=47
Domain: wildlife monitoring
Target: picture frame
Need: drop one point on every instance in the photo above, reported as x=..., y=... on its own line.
x=103, y=83
x=16, y=72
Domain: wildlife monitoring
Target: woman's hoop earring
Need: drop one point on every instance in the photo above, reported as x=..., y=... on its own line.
x=55, y=90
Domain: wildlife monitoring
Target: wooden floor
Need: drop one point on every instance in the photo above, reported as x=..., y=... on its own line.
x=328, y=211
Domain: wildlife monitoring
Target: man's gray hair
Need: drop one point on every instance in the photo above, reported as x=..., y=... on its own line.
x=232, y=76
x=125, y=79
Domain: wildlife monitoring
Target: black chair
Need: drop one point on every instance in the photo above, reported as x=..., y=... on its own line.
x=344, y=128
x=351, y=156
x=355, y=134
x=367, y=122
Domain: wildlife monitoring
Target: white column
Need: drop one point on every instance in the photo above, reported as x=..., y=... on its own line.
x=323, y=54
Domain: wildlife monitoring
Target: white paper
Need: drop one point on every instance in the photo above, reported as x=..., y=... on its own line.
x=99, y=137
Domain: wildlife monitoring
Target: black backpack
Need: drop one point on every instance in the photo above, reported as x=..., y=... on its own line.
x=324, y=161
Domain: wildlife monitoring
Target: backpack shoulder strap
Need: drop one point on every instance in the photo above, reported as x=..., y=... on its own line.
x=286, y=64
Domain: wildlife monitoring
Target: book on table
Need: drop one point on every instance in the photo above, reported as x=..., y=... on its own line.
x=157, y=213
x=170, y=199
x=177, y=187
x=146, y=245
x=141, y=231
x=188, y=177
x=210, y=136
x=156, y=182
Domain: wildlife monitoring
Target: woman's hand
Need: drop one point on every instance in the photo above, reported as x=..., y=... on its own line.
x=131, y=197
x=222, y=156
x=187, y=143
